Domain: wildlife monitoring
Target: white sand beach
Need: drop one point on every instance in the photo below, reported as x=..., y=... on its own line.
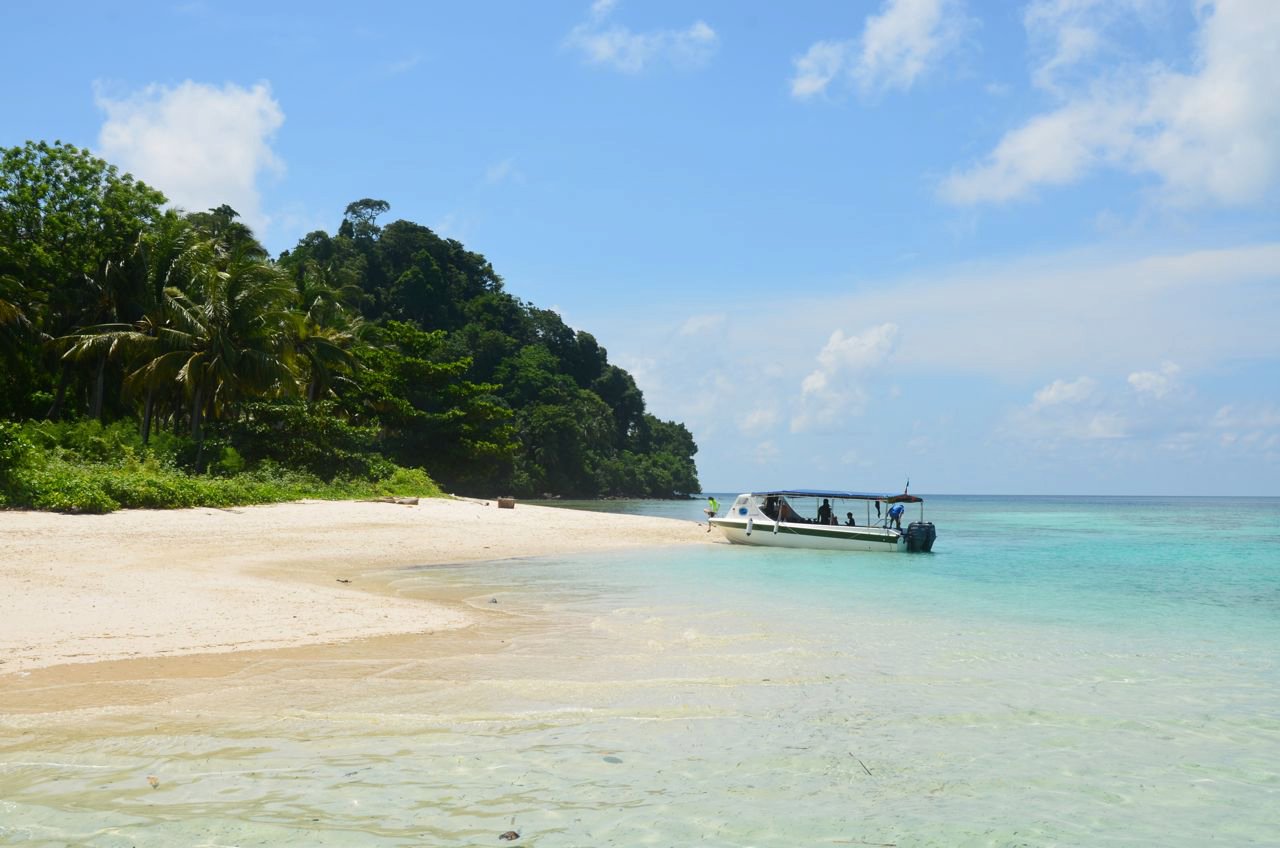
x=142, y=583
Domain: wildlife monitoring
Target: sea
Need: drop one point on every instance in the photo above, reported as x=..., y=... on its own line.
x=1059, y=671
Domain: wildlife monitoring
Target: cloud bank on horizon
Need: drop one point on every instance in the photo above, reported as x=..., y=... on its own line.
x=1028, y=252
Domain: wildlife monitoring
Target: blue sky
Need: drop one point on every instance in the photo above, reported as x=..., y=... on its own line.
x=1012, y=247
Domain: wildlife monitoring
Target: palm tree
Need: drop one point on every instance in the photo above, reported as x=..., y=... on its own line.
x=169, y=255
x=222, y=337
x=10, y=291
x=230, y=336
x=324, y=328
x=15, y=328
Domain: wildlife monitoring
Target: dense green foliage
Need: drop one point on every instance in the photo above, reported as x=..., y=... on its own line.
x=85, y=467
x=347, y=358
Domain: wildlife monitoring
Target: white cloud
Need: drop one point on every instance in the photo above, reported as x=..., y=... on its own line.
x=1068, y=410
x=1052, y=149
x=1031, y=319
x=821, y=64
x=403, y=66
x=966, y=335
x=457, y=226
x=827, y=394
x=1084, y=313
x=759, y=421
x=1255, y=417
x=503, y=172
x=1211, y=136
x=765, y=453
x=201, y=145
x=697, y=325
x=1085, y=410
x=1156, y=384
x=900, y=43
x=1253, y=429
x=1060, y=392
x=617, y=46
x=1106, y=425
x=853, y=353
x=1065, y=34
x=644, y=370
x=896, y=47
x=852, y=457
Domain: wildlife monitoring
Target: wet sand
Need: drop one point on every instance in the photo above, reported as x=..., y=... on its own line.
x=142, y=584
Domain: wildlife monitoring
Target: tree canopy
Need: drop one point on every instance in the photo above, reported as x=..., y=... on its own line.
x=374, y=344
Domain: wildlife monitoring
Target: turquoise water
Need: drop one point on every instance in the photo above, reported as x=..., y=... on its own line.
x=1061, y=671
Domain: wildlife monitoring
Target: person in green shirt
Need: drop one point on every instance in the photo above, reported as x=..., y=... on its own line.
x=713, y=506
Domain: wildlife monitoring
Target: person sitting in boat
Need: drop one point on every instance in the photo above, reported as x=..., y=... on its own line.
x=849, y=520
x=786, y=514
x=770, y=508
x=824, y=512
x=895, y=515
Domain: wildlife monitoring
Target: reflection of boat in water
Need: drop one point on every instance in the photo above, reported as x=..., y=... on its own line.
x=813, y=518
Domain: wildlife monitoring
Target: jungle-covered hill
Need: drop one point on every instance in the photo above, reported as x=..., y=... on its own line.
x=135, y=337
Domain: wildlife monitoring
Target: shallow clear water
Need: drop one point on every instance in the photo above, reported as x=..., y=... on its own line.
x=1062, y=671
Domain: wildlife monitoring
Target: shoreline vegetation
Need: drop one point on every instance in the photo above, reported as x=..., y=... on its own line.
x=155, y=358
x=136, y=584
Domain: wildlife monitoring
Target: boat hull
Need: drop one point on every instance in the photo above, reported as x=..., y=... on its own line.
x=811, y=536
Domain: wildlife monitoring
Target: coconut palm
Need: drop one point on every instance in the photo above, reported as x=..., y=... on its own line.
x=221, y=338
x=169, y=255
x=229, y=336
x=10, y=291
x=325, y=327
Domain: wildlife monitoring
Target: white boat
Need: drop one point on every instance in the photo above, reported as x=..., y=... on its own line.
x=825, y=520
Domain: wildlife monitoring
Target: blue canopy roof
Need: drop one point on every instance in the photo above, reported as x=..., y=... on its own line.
x=849, y=496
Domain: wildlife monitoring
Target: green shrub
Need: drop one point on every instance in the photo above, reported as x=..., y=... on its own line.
x=310, y=437
x=14, y=449
x=165, y=447
x=147, y=490
x=85, y=467
x=228, y=463
x=64, y=488
x=411, y=481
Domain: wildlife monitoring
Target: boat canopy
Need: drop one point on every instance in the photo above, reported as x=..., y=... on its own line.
x=848, y=496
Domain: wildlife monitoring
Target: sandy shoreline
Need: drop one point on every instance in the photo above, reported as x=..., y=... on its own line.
x=142, y=583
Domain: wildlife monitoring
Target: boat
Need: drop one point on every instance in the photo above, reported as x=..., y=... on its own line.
x=825, y=520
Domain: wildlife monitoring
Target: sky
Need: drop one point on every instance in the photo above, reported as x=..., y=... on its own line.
x=989, y=246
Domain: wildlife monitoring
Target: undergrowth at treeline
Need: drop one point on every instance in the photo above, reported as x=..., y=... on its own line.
x=87, y=467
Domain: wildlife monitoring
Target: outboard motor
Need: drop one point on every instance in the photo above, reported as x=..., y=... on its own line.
x=920, y=536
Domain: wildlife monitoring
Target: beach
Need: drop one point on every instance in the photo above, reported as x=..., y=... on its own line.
x=1047, y=676
x=146, y=584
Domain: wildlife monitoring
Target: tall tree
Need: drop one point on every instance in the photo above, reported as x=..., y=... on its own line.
x=221, y=224
x=361, y=217
x=227, y=340
x=169, y=257
x=431, y=415
x=324, y=327
x=66, y=217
